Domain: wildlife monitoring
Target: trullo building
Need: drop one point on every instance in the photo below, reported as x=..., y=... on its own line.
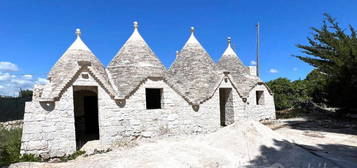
x=136, y=96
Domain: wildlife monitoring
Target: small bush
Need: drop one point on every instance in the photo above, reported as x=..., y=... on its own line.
x=72, y=156
x=31, y=158
x=10, y=145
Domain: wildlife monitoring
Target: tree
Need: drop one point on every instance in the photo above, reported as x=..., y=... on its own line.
x=333, y=53
x=25, y=93
x=283, y=93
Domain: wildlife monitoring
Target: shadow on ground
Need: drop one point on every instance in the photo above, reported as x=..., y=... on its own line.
x=343, y=126
x=282, y=157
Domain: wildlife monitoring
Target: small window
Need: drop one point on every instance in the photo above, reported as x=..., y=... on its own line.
x=153, y=98
x=260, y=97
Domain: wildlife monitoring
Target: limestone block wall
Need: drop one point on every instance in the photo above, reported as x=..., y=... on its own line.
x=131, y=119
x=264, y=111
x=48, y=128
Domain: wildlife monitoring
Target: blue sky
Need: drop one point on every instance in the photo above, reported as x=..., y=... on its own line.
x=35, y=33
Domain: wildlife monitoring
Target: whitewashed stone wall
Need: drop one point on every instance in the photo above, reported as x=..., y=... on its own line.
x=259, y=112
x=175, y=117
x=49, y=128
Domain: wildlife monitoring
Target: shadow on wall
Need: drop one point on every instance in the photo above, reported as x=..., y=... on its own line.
x=286, y=155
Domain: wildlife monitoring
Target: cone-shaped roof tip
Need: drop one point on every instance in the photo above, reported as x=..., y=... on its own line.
x=78, y=43
x=78, y=32
x=229, y=50
x=229, y=40
x=192, y=38
x=136, y=24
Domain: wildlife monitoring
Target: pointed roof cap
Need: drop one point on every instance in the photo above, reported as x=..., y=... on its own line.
x=229, y=50
x=68, y=65
x=240, y=73
x=193, y=72
x=133, y=63
x=78, y=44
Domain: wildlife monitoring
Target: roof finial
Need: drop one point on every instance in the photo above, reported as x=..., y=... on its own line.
x=229, y=40
x=192, y=29
x=78, y=32
x=135, y=25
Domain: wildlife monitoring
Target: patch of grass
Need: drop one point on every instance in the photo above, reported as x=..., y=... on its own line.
x=10, y=145
x=10, y=148
x=96, y=151
x=31, y=158
x=72, y=156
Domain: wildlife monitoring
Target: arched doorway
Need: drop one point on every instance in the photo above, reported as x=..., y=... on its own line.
x=86, y=114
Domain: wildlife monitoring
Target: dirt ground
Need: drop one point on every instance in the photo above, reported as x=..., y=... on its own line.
x=332, y=139
x=242, y=144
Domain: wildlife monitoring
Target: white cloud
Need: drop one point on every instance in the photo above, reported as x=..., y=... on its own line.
x=42, y=81
x=2, y=87
x=5, y=76
x=272, y=70
x=8, y=67
x=27, y=76
x=295, y=69
x=253, y=62
x=21, y=82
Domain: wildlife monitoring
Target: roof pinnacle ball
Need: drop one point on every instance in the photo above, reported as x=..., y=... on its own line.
x=136, y=25
x=192, y=29
x=229, y=40
x=78, y=32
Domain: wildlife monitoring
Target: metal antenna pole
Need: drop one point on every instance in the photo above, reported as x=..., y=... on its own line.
x=258, y=46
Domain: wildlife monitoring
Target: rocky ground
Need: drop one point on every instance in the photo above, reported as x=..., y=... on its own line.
x=243, y=144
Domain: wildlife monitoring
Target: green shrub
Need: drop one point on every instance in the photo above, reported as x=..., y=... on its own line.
x=72, y=156
x=10, y=145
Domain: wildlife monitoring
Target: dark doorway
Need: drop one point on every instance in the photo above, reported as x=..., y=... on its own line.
x=226, y=106
x=86, y=114
x=153, y=98
x=259, y=97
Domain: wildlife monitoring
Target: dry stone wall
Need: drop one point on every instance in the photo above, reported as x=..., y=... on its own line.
x=263, y=111
x=49, y=128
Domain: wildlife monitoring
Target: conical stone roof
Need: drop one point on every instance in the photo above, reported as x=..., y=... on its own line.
x=134, y=63
x=68, y=65
x=193, y=73
x=231, y=63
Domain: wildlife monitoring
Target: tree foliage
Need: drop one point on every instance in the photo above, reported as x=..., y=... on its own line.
x=12, y=108
x=333, y=53
x=287, y=93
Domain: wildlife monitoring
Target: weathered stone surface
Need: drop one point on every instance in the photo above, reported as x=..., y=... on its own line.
x=190, y=97
x=193, y=73
x=11, y=124
x=134, y=62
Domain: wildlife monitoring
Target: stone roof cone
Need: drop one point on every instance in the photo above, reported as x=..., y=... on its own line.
x=193, y=73
x=231, y=63
x=69, y=64
x=133, y=64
